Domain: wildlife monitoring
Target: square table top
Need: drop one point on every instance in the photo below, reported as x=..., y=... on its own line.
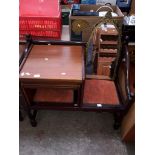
x=53, y=63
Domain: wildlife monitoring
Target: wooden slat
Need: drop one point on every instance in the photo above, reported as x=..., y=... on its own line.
x=53, y=95
x=109, y=42
x=100, y=92
x=109, y=31
x=101, y=77
x=108, y=51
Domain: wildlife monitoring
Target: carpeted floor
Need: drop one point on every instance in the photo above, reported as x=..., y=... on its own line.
x=71, y=133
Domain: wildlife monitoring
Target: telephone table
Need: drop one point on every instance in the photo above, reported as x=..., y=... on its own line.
x=52, y=78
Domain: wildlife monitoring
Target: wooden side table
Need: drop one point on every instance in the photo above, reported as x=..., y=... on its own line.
x=52, y=78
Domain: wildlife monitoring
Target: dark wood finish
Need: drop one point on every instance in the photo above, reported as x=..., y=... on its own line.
x=107, y=37
x=109, y=96
x=109, y=42
x=83, y=107
x=124, y=88
x=53, y=95
x=107, y=45
x=128, y=125
x=21, y=118
x=128, y=91
x=99, y=77
x=130, y=136
x=25, y=53
x=132, y=77
x=53, y=63
x=32, y=116
x=23, y=47
x=108, y=52
x=21, y=50
x=108, y=31
x=58, y=42
x=118, y=116
x=104, y=66
x=121, y=83
x=103, y=92
x=131, y=49
x=52, y=75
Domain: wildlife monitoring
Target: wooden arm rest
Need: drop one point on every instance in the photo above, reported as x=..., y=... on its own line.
x=127, y=68
x=26, y=52
x=123, y=79
x=58, y=42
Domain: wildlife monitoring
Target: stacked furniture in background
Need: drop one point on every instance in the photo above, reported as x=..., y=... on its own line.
x=84, y=18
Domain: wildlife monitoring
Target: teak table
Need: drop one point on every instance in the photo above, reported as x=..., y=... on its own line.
x=52, y=76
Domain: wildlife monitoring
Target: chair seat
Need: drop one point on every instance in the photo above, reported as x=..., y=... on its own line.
x=54, y=95
x=100, y=92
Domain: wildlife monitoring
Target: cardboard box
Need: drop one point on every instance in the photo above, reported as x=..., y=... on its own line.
x=105, y=2
x=88, y=1
x=89, y=22
x=132, y=10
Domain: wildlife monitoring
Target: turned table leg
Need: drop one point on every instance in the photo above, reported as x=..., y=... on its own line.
x=21, y=118
x=117, y=120
x=32, y=116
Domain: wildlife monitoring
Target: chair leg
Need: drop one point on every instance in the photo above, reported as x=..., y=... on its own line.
x=21, y=118
x=32, y=117
x=117, y=120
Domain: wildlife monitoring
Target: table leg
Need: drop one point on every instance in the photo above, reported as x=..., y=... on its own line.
x=81, y=92
x=117, y=120
x=21, y=118
x=32, y=116
x=76, y=96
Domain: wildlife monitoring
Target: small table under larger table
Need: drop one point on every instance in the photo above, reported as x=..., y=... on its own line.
x=52, y=78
